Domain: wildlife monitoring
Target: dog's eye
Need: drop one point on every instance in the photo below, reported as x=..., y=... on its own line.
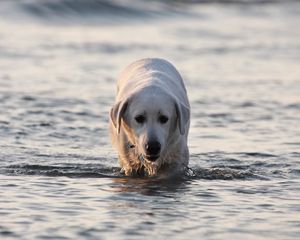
x=163, y=119
x=140, y=119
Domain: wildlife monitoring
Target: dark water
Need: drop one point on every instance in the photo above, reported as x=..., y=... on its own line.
x=59, y=175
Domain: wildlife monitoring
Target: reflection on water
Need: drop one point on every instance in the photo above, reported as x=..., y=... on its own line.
x=150, y=187
x=59, y=174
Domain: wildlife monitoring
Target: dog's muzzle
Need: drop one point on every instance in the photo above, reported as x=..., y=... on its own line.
x=151, y=158
x=152, y=150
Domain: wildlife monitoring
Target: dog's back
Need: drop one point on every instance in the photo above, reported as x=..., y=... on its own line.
x=154, y=72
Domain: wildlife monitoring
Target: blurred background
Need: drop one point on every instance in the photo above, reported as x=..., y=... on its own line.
x=59, y=63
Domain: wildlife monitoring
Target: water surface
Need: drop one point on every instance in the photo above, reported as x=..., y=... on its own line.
x=59, y=174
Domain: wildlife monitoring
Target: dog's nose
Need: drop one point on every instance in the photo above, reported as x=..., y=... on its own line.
x=153, y=147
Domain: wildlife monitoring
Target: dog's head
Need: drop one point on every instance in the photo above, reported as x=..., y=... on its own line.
x=152, y=120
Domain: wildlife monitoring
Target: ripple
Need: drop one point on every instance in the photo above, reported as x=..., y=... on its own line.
x=258, y=154
x=223, y=174
x=72, y=170
x=102, y=171
x=294, y=106
x=7, y=233
x=28, y=98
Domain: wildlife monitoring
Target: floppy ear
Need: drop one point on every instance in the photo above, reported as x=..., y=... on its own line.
x=117, y=112
x=183, y=116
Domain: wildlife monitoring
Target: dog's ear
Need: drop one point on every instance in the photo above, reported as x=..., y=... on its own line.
x=117, y=112
x=183, y=116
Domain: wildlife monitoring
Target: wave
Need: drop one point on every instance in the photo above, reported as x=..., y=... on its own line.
x=84, y=7
x=102, y=171
x=103, y=9
x=227, y=173
x=72, y=170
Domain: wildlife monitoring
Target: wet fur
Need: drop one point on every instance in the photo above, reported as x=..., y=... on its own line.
x=174, y=157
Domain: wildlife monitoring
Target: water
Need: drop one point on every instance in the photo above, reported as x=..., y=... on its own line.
x=59, y=175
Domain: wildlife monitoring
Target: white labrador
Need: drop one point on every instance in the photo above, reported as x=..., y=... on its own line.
x=150, y=120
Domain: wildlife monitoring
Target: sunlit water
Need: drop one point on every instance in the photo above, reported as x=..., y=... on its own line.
x=58, y=68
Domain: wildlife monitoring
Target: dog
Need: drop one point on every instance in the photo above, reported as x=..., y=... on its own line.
x=150, y=120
